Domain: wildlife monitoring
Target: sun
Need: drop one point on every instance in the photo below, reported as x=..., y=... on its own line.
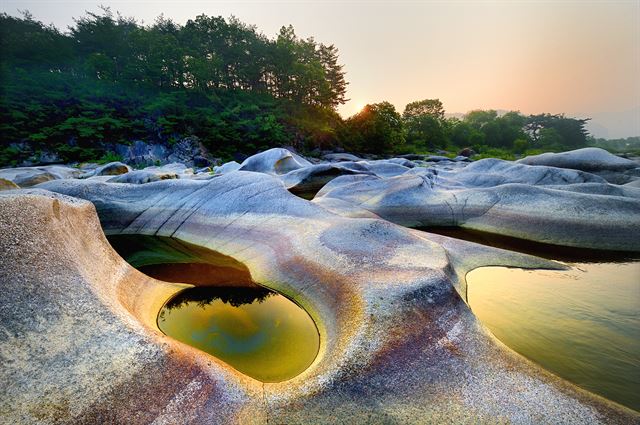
x=359, y=106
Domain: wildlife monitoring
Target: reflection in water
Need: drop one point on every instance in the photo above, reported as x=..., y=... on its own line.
x=258, y=332
x=233, y=295
x=582, y=324
x=539, y=249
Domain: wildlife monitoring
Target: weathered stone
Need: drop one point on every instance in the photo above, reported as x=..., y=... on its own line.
x=501, y=197
x=384, y=168
x=466, y=152
x=307, y=181
x=398, y=344
x=340, y=157
x=586, y=159
x=437, y=158
x=7, y=184
x=110, y=169
x=227, y=167
x=31, y=176
x=274, y=161
x=32, y=179
x=143, y=176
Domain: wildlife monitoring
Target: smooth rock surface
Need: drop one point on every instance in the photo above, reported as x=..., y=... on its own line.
x=307, y=181
x=586, y=159
x=227, y=167
x=31, y=176
x=340, y=157
x=274, y=161
x=398, y=344
x=143, y=176
x=7, y=185
x=495, y=196
x=110, y=169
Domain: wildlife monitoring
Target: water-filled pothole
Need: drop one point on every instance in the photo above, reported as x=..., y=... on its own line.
x=582, y=324
x=257, y=331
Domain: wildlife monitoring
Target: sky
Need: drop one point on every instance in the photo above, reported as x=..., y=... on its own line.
x=581, y=58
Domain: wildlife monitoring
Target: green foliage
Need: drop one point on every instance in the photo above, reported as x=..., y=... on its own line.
x=425, y=124
x=626, y=145
x=112, y=80
x=484, y=151
x=520, y=145
x=556, y=131
x=430, y=107
x=378, y=128
x=109, y=157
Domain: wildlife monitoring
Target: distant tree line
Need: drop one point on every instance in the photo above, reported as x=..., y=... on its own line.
x=423, y=126
x=623, y=145
x=111, y=79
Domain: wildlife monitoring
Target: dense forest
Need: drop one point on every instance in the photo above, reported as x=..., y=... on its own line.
x=113, y=80
x=110, y=79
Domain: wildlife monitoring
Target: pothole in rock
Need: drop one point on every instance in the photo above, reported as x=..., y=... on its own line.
x=257, y=331
x=582, y=324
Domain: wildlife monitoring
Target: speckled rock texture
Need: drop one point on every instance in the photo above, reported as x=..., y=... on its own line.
x=7, y=184
x=31, y=176
x=110, y=169
x=79, y=342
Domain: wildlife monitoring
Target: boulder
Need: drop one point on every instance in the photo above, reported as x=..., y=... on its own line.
x=412, y=157
x=143, y=176
x=466, y=152
x=402, y=161
x=31, y=176
x=274, y=161
x=32, y=179
x=502, y=198
x=437, y=158
x=112, y=169
x=385, y=168
x=227, y=167
x=306, y=182
x=7, y=184
x=586, y=159
x=180, y=169
x=490, y=172
x=340, y=157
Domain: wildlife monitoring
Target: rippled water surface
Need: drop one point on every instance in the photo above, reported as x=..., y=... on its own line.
x=582, y=324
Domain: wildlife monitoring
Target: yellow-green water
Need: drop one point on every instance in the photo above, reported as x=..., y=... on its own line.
x=258, y=332
x=582, y=324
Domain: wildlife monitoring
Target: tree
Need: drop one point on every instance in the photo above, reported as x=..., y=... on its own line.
x=567, y=132
x=463, y=134
x=479, y=118
x=378, y=128
x=425, y=124
x=431, y=107
x=111, y=79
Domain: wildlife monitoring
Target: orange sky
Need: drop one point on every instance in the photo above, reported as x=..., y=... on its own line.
x=577, y=57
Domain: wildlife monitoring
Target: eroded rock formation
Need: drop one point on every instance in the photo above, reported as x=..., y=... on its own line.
x=80, y=343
